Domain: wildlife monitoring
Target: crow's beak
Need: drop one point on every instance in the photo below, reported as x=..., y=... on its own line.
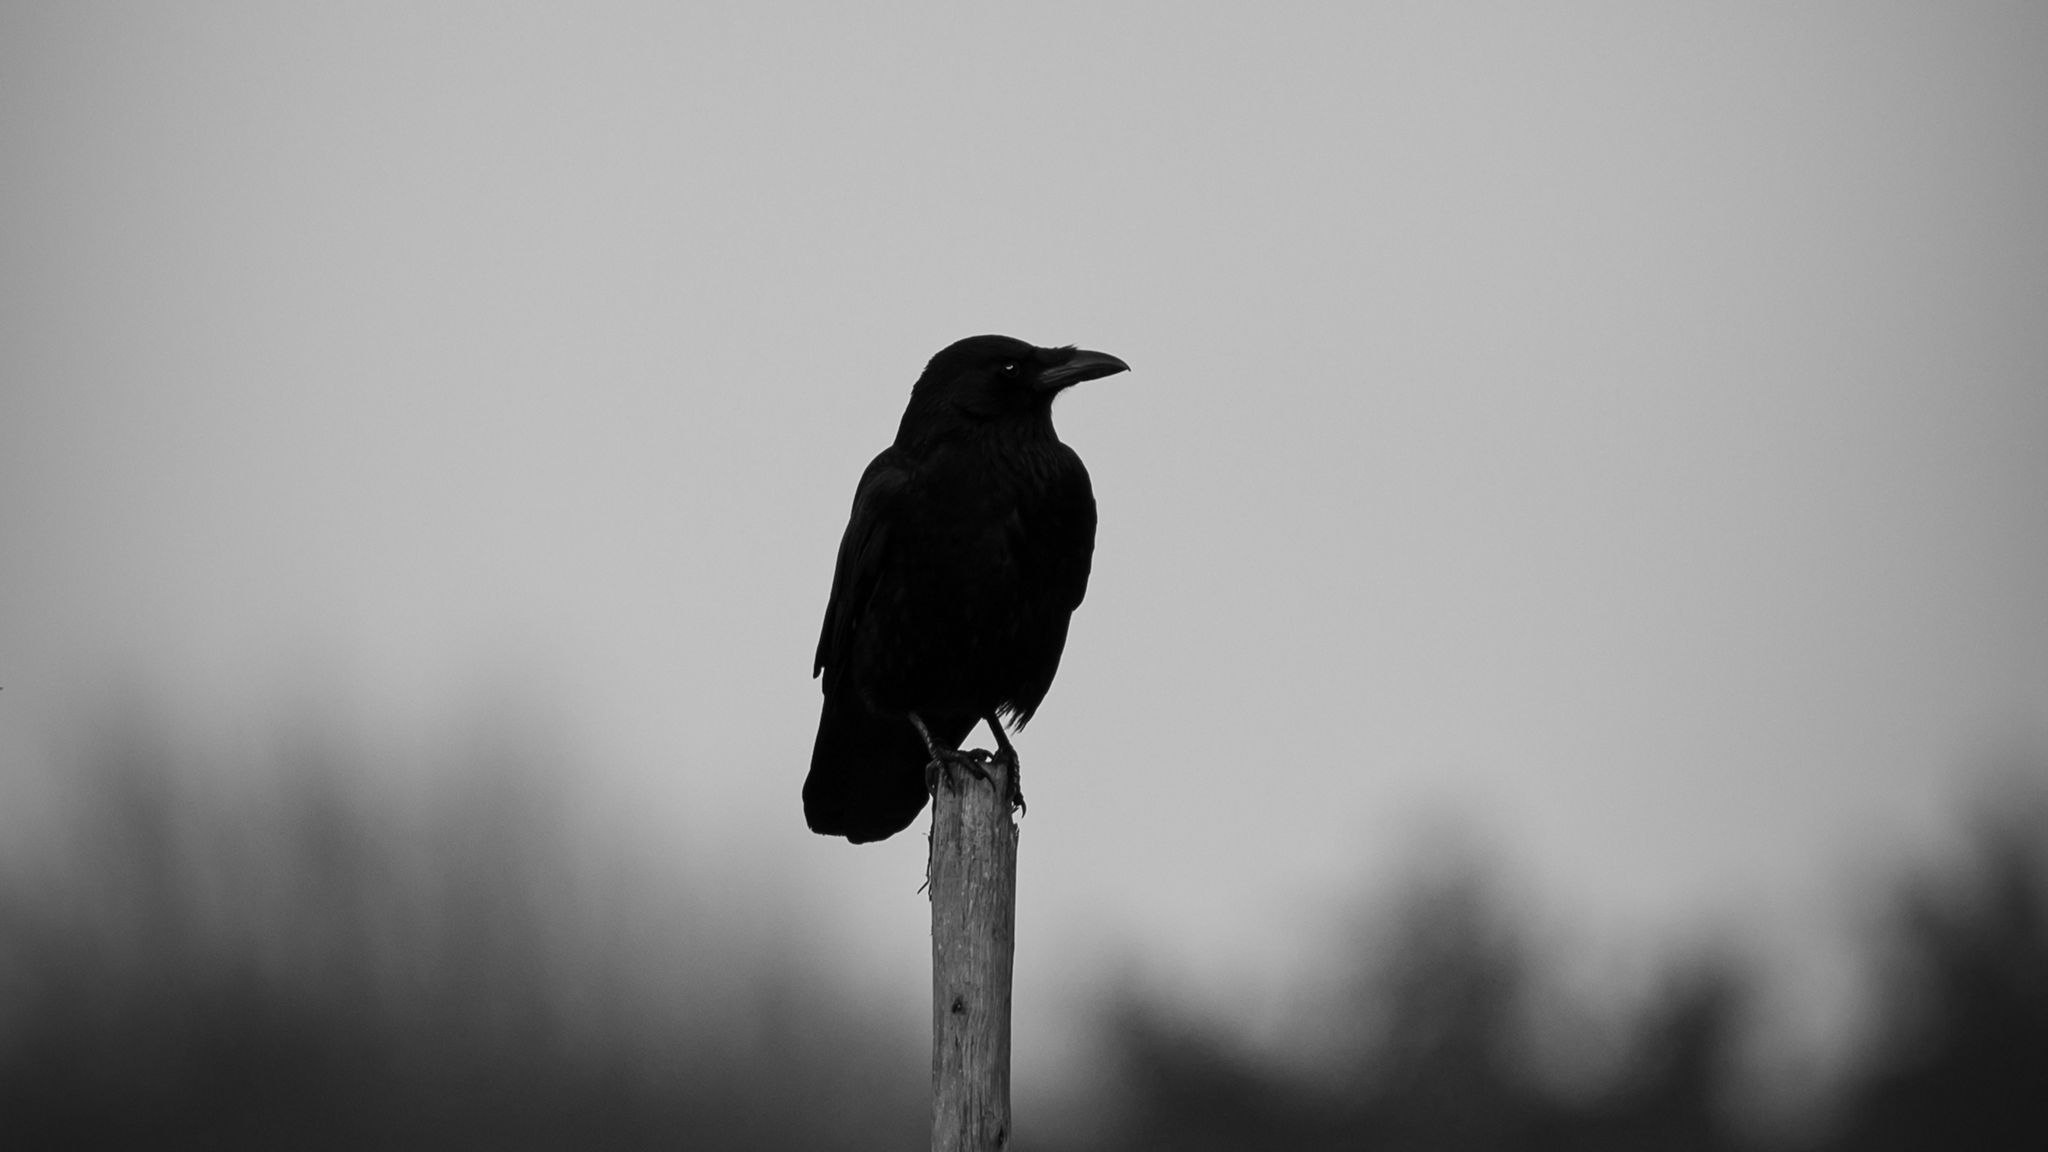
x=1082, y=365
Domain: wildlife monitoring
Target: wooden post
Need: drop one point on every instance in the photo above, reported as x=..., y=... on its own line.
x=974, y=937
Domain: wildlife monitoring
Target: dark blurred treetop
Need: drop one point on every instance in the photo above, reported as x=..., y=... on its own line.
x=1964, y=1057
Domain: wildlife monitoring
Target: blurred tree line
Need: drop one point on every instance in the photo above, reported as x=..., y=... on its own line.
x=292, y=964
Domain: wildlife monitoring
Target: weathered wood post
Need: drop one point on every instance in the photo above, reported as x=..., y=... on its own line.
x=974, y=938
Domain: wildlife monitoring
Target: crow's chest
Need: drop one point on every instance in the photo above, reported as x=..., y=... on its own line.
x=990, y=538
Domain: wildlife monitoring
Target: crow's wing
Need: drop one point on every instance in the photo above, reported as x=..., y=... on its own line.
x=862, y=556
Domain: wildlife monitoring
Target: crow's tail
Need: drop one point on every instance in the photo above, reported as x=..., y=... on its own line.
x=867, y=770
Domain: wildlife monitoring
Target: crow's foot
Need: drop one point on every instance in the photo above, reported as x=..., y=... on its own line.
x=950, y=759
x=1007, y=758
x=944, y=758
x=1006, y=753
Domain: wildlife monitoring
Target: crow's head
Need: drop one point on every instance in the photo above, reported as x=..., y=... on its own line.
x=984, y=378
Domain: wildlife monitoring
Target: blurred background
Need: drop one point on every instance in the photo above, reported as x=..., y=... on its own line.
x=1567, y=658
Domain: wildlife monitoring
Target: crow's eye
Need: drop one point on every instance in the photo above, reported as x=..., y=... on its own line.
x=1010, y=370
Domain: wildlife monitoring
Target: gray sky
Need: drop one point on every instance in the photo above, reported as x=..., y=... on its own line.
x=1614, y=430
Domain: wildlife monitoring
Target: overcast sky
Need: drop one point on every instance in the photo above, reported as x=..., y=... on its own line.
x=1611, y=433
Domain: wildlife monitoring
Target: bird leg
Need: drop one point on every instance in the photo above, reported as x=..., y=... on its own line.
x=944, y=757
x=1006, y=752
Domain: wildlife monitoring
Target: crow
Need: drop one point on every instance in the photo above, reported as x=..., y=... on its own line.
x=967, y=550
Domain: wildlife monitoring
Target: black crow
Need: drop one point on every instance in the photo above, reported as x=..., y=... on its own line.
x=967, y=550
